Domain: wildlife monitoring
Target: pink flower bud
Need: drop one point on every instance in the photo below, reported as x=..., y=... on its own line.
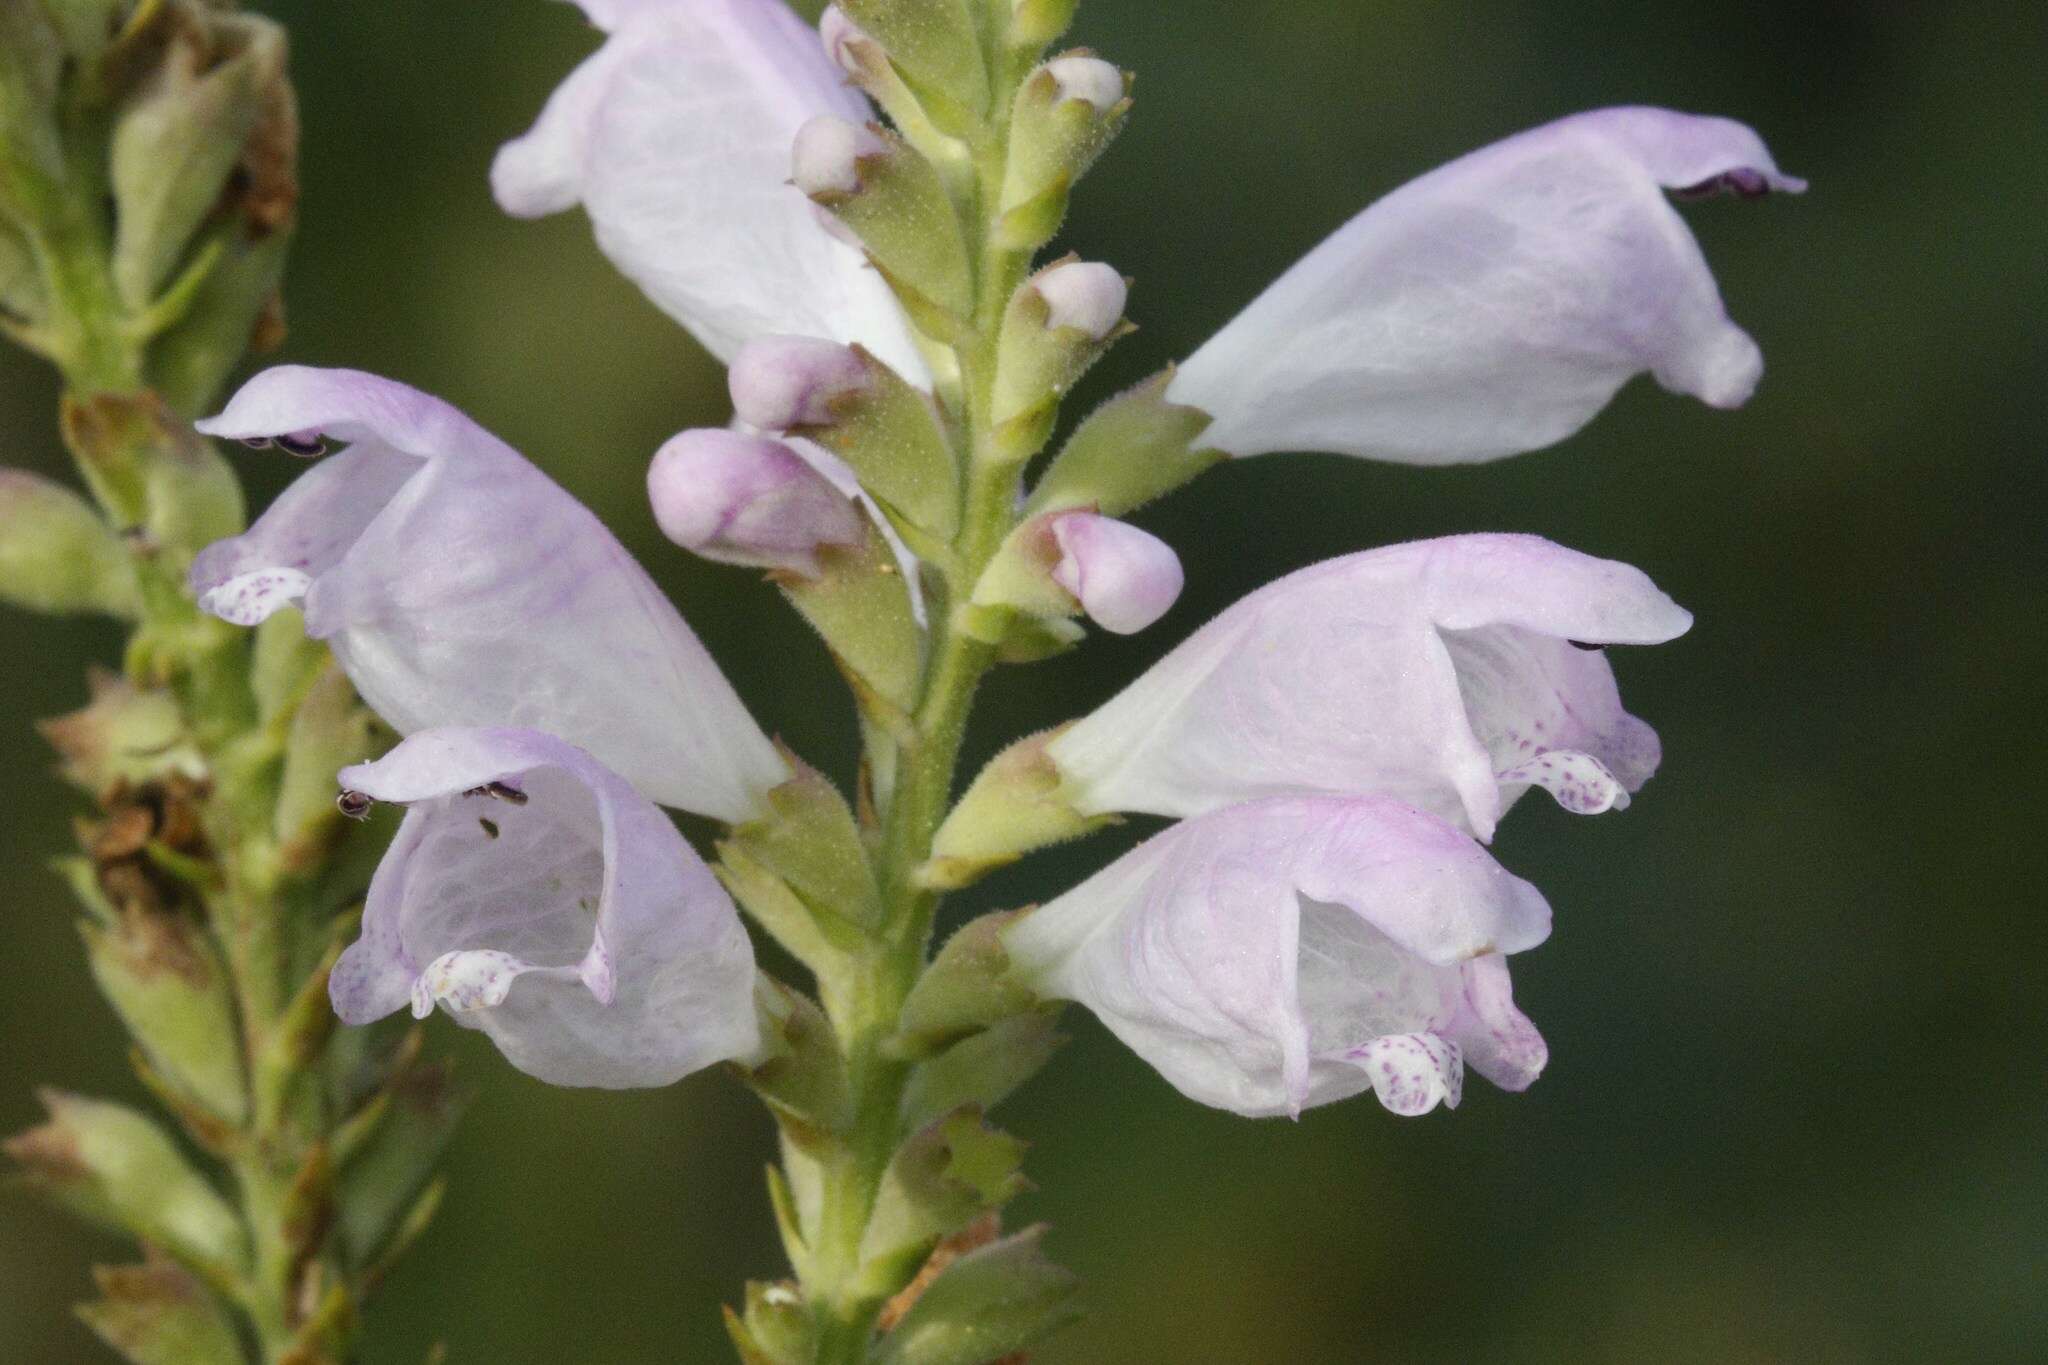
x=747, y=500
x=827, y=155
x=1087, y=78
x=783, y=382
x=1124, y=578
x=1085, y=295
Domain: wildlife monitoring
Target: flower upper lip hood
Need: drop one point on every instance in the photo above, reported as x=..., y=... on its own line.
x=571, y=923
x=1442, y=672
x=1497, y=303
x=675, y=137
x=459, y=585
x=1289, y=952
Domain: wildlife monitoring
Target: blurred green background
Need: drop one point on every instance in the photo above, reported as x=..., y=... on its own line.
x=1795, y=1110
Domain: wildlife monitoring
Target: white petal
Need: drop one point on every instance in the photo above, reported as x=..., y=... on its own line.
x=458, y=585
x=676, y=137
x=1494, y=305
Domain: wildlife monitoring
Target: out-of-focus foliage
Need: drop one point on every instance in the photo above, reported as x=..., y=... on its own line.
x=1795, y=998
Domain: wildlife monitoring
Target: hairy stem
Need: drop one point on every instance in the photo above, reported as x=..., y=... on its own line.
x=926, y=768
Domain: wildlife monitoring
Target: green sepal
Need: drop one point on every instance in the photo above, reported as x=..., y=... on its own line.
x=330, y=730
x=1030, y=224
x=966, y=988
x=165, y=980
x=809, y=839
x=788, y=1222
x=942, y=1179
x=1037, y=24
x=903, y=214
x=990, y=1303
x=1054, y=141
x=176, y=140
x=21, y=280
x=983, y=1068
x=419, y=1216
x=303, y=1030
x=153, y=472
x=114, y=1166
x=236, y=312
x=58, y=555
x=383, y=1168
x=820, y=942
x=31, y=67
x=804, y=1077
x=1030, y=640
x=889, y=435
x=860, y=605
x=874, y=73
x=1018, y=578
x=1013, y=807
x=1132, y=449
x=933, y=42
x=776, y=1328
x=156, y=1314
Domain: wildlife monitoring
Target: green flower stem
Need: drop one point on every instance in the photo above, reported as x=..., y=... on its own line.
x=277, y=1158
x=925, y=770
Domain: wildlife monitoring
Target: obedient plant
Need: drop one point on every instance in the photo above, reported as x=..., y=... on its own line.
x=856, y=220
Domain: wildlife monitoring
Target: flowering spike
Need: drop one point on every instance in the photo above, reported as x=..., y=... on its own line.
x=1292, y=952
x=457, y=584
x=1496, y=304
x=748, y=500
x=1441, y=673
x=576, y=929
x=675, y=137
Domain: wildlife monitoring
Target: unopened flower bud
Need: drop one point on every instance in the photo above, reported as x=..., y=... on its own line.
x=162, y=975
x=1064, y=114
x=894, y=202
x=1084, y=295
x=1082, y=77
x=747, y=500
x=1064, y=564
x=1124, y=578
x=57, y=554
x=825, y=161
x=1057, y=325
x=114, y=1166
x=782, y=382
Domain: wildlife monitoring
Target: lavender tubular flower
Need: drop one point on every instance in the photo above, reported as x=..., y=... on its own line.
x=675, y=137
x=1452, y=674
x=1495, y=305
x=458, y=585
x=534, y=894
x=1282, y=954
